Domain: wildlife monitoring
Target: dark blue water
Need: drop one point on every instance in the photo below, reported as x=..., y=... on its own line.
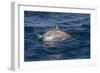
x=38, y=23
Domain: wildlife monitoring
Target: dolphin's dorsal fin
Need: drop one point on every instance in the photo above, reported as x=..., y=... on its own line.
x=57, y=27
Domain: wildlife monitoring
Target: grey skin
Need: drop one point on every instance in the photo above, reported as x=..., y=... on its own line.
x=55, y=34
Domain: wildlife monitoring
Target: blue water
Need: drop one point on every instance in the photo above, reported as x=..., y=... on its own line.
x=38, y=23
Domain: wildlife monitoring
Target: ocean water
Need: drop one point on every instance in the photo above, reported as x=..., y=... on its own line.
x=38, y=23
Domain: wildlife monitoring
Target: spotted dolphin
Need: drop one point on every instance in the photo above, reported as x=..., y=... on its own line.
x=55, y=34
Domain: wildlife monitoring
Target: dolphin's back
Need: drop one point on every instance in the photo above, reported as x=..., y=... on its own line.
x=55, y=35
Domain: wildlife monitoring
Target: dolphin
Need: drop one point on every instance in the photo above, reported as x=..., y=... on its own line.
x=54, y=35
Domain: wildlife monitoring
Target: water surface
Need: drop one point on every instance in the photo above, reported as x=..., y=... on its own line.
x=38, y=23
